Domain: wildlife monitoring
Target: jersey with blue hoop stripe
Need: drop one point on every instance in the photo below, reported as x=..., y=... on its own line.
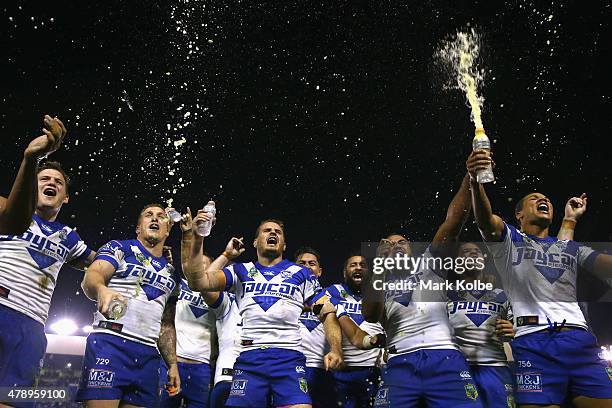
x=354, y=357
x=146, y=281
x=539, y=276
x=229, y=328
x=270, y=300
x=314, y=343
x=31, y=262
x=193, y=324
x=417, y=319
x=473, y=315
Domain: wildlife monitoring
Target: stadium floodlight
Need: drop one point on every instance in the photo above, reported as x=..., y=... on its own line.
x=64, y=327
x=606, y=352
x=87, y=329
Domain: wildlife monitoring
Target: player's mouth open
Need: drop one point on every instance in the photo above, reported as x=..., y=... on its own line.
x=357, y=276
x=272, y=241
x=154, y=227
x=543, y=207
x=49, y=192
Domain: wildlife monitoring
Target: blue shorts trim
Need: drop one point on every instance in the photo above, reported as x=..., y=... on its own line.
x=551, y=365
x=438, y=378
x=195, y=386
x=115, y=368
x=263, y=375
x=22, y=349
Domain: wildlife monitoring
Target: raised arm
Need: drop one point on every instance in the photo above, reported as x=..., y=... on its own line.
x=16, y=210
x=574, y=209
x=456, y=215
x=211, y=279
x=490, y=225
x=94, y=284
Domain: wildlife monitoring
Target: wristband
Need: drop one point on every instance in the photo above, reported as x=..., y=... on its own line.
x=226, y=254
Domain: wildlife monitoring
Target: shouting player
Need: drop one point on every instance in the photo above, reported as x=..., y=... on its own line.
x=271, y=294
x=357, y=383
x=32, y=257
x=555, y=353
x=136, y=291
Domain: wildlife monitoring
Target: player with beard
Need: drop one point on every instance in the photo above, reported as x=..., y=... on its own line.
x=556, y=355
x=356, y=384
x=316, y=342
x=481, y=320
x=425, y=364
x=121, y=363
x=32, y=257
x=271, y=294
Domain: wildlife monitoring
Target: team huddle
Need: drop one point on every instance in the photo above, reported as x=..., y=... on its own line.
x=213, y=331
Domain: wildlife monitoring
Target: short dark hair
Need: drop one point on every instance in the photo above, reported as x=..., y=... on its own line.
x=274, y=220
x=349, y=256
x=53, y=165
x=307, y=250
x=519, y=205
x=149, y=206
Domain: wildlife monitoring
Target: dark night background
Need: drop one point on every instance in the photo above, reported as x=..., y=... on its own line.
x=333, y=116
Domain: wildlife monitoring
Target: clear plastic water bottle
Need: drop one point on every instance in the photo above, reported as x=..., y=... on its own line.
x=203, y=228
x=174, y=215
x=481, y=141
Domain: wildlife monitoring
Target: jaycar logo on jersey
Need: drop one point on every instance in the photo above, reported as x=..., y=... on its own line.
x=478, y=307
x=285, y=290
x=529, y=382
x=44, y=245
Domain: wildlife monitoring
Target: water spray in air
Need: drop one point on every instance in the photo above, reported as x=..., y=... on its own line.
x=460, y=55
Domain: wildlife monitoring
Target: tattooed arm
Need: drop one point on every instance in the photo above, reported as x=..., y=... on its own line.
x=167, y=347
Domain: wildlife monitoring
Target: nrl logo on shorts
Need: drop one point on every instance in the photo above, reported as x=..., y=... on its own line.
x=252, y=272
x=609, y=370
x=470, y=391
x=303, y=385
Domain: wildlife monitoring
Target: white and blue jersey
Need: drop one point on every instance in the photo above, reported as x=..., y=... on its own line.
x=146, y=281
x=229, y=328
x=539, y=276
x=354, y=357
x=473, y=315
x=314, y=343
x=30, y=264
x=270, y=300
x=193, y=325
x=418, y=319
